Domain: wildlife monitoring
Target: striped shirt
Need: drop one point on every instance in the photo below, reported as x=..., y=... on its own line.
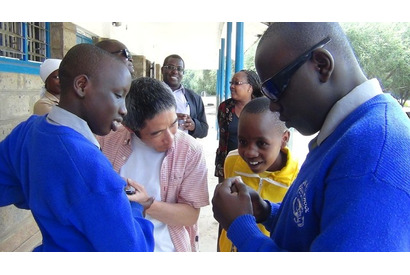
x=183, y=177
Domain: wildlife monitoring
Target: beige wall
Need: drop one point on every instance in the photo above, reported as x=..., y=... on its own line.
x=18, y=93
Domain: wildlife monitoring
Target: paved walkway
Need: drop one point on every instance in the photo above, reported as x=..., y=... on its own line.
x=208, y=226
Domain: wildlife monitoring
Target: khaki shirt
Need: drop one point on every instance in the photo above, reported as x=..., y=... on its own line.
x=44, y=104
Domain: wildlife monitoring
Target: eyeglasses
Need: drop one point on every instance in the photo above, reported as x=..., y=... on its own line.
x=125, y=53
x=171, y=68
x=236, y=83
x=274, y=86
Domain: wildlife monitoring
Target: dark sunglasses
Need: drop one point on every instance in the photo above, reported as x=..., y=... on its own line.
x=274, y=86
x=125, y=53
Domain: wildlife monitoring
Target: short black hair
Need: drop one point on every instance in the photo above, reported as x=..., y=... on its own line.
x=147, y=98
x=173, y=56
x=300, y=36
x=82, y=59
x=261, y=105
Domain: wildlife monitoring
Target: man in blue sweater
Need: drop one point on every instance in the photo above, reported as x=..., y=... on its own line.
x=53, y=165
x=353, y=190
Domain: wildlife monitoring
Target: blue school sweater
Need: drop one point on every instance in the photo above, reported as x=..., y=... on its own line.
x=352, y=192
x=76, y=198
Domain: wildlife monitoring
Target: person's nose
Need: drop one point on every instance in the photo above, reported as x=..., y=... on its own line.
x=251, y=151
x=123, y=109
x=168, y=137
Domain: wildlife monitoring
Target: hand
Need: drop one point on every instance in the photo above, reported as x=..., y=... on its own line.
x=231, y=200
x=261, y=209
x=189, y=124
x=141, y=196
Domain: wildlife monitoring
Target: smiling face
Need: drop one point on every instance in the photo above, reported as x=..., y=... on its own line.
x=104, y=100
x=260, y=142
x=159, y=132
x=173, y=77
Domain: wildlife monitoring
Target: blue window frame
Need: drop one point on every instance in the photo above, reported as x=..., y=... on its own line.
x=83, y=39
x=23, y=46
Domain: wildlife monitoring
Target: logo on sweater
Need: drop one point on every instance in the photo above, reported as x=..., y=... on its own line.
x=300, y=206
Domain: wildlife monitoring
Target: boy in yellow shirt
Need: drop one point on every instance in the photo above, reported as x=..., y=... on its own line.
x=262, y=159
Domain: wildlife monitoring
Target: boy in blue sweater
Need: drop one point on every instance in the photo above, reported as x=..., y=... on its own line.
x=76, y=198
x=353, y=191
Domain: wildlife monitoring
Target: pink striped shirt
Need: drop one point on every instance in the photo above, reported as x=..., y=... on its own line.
x=183, y=177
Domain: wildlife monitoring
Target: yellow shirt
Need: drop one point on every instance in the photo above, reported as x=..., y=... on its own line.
x=271, y=186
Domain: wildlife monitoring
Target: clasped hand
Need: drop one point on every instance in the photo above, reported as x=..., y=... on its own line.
x=232, y=198
x=141, y=196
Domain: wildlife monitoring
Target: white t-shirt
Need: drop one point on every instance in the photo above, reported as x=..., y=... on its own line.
x=144, y=166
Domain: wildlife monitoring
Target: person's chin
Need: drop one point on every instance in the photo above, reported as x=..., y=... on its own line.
x=257, y=168
x=162, y=149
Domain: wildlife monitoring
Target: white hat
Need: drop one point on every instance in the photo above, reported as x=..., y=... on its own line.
x=49, y=66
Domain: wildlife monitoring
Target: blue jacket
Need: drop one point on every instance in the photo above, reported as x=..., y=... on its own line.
x=352, y=192
x=76, y=198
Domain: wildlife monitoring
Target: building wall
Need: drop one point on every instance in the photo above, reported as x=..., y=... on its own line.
x=18, y=93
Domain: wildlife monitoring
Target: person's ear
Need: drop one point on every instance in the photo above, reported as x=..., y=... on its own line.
x=80, y=83
x=324, y=63
x=285, y=139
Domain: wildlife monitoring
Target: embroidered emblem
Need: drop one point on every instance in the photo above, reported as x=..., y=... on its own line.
x=300, y=206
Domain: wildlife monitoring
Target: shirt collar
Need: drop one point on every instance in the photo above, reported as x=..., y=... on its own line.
x=181, y=89
x=346, y=105
x=59, y=116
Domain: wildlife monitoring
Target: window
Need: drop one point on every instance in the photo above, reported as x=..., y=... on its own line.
x=82, y=38
x=23, y=46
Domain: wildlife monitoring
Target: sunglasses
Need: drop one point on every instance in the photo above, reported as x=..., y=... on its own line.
x=125, y=53
x=274, y=86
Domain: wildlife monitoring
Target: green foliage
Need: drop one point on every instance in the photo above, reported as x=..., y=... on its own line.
x=249, y=58
x=205, y=80
x=384, y=53
x=200, y=81
x=383, y=50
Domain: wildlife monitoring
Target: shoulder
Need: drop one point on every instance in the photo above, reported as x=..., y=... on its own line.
x=233, y=154
x=115, y=138
x=232, y=157
x=183, y=140
x=42, y=106
x=21, y=129
x=190, y=91
x=229, y=103
x=234, y=163
x=192, y=94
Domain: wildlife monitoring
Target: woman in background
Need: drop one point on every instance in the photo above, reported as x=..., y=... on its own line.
x=245, y=86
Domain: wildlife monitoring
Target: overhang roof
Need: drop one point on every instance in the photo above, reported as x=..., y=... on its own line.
x=198, y=43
